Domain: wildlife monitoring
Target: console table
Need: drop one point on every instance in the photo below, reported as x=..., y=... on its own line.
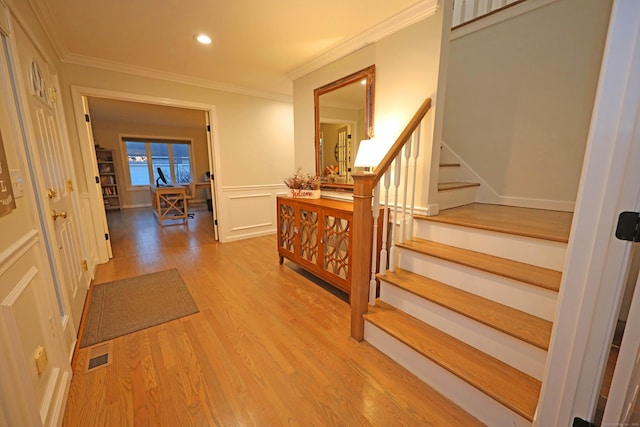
x=315, y=234
x=169, y=202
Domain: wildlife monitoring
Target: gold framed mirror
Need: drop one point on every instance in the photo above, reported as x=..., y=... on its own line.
x=343, y=118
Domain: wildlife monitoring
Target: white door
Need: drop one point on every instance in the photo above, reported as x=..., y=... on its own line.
x=622, y=403
x=100, y=217
x=212, y=183
x=51, y=161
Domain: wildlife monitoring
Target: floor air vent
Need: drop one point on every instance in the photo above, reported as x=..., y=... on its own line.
x=99, y=356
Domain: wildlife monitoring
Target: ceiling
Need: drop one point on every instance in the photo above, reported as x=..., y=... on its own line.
x=258, y=46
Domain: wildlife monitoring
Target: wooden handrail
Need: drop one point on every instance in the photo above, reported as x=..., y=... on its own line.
x=401, y=141
x=362, y=224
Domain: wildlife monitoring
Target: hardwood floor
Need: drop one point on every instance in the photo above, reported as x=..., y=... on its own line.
x=270, y=345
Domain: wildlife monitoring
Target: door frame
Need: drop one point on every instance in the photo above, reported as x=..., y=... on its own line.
x=79, y=95
x=596, y=263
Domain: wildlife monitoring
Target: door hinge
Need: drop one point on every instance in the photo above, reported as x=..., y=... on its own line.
x=215, y=222
x=208, y=128
x=86, y=118
x=85, y=265
x=579, y=422
x=106, y=236
x=97, y=180
x=70, y=185
x=628, y=226
x=53, y=95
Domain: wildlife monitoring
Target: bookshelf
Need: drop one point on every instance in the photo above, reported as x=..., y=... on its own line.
x=108, y=180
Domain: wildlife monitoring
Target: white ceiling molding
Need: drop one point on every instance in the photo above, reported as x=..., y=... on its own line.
x=407, y=17
x=41, y=10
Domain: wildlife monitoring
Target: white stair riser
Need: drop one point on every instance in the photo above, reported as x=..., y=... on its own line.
x=512, y=351
x=543, y=253
x=528, y=298
x=475, y=402
x=448, y=174
x=459, y=197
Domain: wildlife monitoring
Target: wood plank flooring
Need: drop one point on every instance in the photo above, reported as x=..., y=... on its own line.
x=270, y=345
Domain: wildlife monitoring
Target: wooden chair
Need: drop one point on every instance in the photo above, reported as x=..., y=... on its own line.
x=191, y=193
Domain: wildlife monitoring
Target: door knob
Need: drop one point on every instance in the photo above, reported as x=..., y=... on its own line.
x=51, y=193
x=55, y=215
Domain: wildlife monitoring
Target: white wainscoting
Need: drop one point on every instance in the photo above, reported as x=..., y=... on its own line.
x=27, y=321
x=248, y=211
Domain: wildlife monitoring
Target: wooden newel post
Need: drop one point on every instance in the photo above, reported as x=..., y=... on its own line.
x=361, y=246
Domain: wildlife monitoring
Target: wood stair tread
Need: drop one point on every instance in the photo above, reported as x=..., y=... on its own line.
x=520, y=325
x=526, y=273
x=444, y=186
x=510, y=387
x=528, y=222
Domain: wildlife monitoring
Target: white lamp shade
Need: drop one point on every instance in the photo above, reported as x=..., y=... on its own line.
x=368, y=154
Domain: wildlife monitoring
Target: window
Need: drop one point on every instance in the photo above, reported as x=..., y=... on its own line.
x=145, y=156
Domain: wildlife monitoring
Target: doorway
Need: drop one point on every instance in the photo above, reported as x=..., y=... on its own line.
x=109, y=117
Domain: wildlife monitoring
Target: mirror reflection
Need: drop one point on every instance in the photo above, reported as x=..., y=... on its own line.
x=344, y=117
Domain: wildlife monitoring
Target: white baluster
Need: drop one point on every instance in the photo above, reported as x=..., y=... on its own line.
x=403, y=222
x=470, y=10
x=374, y=246
x=458, y=12
x=484, y=7
x=396, y=184
x=416, y=153
x=463, y=13
x=476, y=9
x=385, y=224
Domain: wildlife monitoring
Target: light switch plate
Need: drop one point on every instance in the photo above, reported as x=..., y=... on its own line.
x=16, y=183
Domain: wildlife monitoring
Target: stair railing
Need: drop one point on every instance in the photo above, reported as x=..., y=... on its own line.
x=467, y=11
x=395, y=178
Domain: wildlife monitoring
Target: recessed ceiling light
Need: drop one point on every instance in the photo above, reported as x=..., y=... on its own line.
x=203, y=38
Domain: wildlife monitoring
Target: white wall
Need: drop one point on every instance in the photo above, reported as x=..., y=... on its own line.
x=252, y=139
x=255, y=134
x=520, y=95
x=407, y=68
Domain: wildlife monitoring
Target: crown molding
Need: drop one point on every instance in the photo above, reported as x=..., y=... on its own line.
x=119, y=67
x=407, y=17
x=43, y=15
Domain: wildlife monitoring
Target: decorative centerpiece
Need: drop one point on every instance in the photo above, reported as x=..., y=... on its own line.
x=303, y=186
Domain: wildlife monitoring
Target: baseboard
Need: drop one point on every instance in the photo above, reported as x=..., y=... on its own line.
x=486, y=194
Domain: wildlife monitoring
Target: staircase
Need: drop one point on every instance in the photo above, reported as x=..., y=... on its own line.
x=453, y=191
x=469, y=306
